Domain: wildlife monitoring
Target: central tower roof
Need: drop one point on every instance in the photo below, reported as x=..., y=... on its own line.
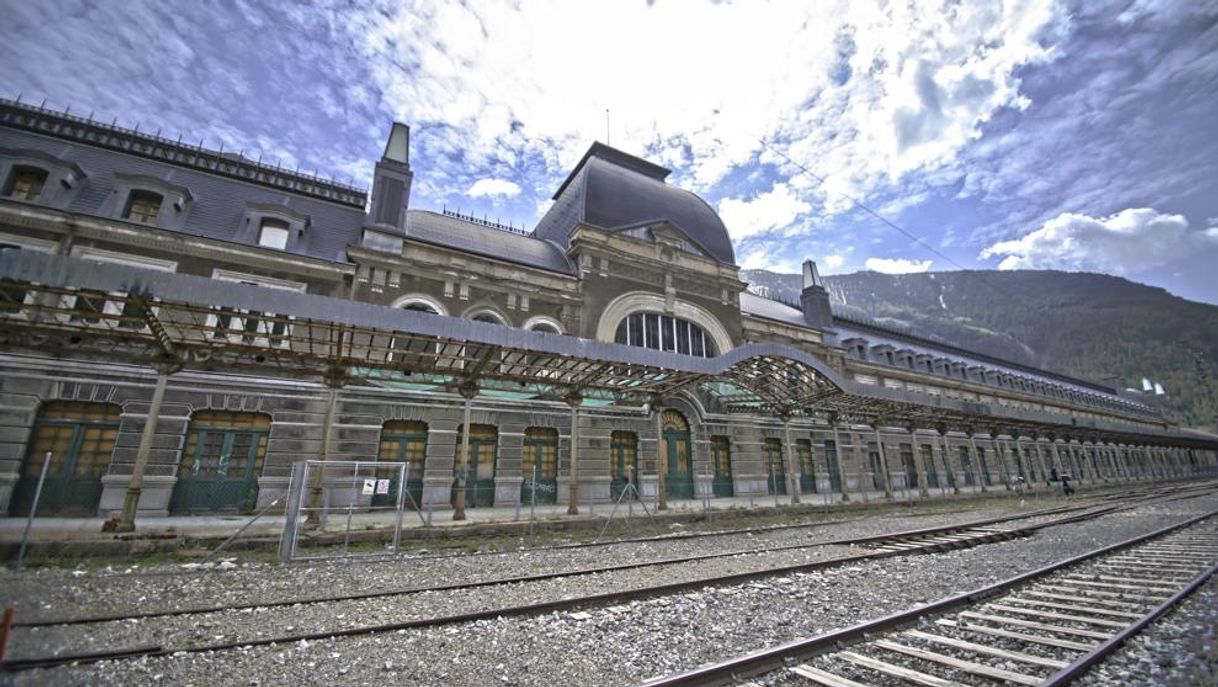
x=616, y=191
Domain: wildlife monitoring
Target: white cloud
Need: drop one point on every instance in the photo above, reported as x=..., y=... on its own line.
x=834, y=261
x=774, y=209
x=759, y=258
x=493, y=187
x=864, y=93
x=1130, y=241
x=897, y=265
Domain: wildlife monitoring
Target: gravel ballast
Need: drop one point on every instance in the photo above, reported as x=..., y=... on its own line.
x=629, y=642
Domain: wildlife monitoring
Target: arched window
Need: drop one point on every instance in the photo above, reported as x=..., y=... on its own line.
x=420, y=306
x=143, y=206
x=545, y=327
x=221, y=462
x=25, y=183
x=664, y=333
x=80, y=438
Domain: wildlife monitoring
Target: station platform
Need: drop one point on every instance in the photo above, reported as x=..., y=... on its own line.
x=61, y=534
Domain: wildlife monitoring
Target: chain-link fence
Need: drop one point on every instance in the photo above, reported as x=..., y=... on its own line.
x=330, y=501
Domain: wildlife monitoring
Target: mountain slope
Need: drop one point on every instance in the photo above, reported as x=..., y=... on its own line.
x=1092, y=326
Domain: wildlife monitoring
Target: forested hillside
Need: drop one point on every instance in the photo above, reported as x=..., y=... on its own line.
x=1094, y=326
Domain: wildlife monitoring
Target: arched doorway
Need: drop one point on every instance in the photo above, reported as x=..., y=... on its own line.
x=480, y=480
x=721, y=460
x=807, y=469
x=679, y=480
x=623, y=462
x=403, y=441
x=221, y=462
x=80, y=438
x=539, y=466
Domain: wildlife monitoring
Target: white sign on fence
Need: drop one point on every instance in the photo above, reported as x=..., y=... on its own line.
x=382, y=486
x=369, y=487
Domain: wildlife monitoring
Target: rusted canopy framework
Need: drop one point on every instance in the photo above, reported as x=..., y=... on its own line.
x=67, y=307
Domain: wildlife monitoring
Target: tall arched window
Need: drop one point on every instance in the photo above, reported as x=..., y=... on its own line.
x=664, y=333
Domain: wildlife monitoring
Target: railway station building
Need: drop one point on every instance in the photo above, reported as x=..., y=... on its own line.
x=179, y=326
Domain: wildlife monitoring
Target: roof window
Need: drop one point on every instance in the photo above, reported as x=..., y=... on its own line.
x=274, y=233
x=25, y=183
x=143, y=206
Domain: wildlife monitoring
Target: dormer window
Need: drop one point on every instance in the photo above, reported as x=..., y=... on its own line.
x=143, y=206
x=274, y=233
x=25, y=183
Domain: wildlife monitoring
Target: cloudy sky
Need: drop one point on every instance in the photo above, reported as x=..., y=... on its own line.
x=1021, y=134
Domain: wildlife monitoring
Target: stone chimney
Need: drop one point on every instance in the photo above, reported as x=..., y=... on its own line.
x=814, y=300
x=391, y=185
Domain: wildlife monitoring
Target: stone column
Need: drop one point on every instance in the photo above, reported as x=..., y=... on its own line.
x=574, y=400
x=1000, y=450
x=1020, y=468
x=972, y=449
x=841, y=468
x=918, y=466
x=131, y=500
x=468, y=390
x=792, y=460
x=879, y=444
x=947, y=462
x=1040, y=458
x=661, y=458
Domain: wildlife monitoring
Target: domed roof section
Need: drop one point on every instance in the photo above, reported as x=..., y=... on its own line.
x=617, y=191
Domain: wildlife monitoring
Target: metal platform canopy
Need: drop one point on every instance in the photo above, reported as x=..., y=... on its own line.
x=68, y=307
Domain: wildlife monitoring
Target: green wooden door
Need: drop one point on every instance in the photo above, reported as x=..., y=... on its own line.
x=80, y=438
x=807, y=469
x=679, y=481
x=403, y=442
x=833, y=462
x=775, y=467
x=623, y=462
x=539, y=466
x=966, y=466
x=721, y=459
x=928, y=464
x=480, y=480
x=219, y=469
x=985, y=469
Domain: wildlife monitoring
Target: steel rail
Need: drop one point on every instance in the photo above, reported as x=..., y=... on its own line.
x=776, y=658
x=524, y=610
x=539, y=577
x=1083, y=663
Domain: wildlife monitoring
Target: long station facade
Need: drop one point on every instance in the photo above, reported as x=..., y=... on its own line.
x=179, y=326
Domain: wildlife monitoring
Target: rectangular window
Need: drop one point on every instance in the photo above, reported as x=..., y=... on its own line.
x=669, y=327
x=143, y=206
x=634, y=330
x=652, y=329
x=683, y=344
x=273, y=234
x=697, y=344
x=26, y=184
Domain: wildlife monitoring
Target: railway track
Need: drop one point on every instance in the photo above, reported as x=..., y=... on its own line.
x=1045, y=627
x=931, y=540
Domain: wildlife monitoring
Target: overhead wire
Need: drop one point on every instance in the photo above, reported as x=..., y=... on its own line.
x=863, y=206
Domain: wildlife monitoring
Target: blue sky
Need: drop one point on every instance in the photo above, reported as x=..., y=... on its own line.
x=1037, y=134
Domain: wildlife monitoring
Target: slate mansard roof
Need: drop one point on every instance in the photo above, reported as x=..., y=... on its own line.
x=470, y=237
x=221, y=186
x=616, y=191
